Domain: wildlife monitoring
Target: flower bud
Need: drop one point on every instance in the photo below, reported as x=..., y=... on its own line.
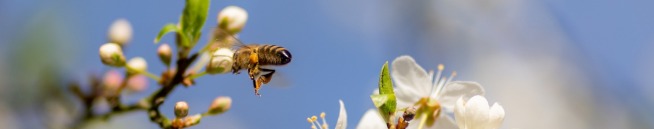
x=165, y=53
x=232, y=19
x=111, y=54
x=220, y=105
x=221, y=61
x=181, y=109
x=192, y=120
x=111, y=82
x=137, y=83
x=120, y=32
x=137, y=65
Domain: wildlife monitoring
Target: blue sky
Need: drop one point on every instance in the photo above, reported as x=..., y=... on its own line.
x=338, y=48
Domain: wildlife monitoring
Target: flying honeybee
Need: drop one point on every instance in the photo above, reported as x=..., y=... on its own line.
x=259, y=60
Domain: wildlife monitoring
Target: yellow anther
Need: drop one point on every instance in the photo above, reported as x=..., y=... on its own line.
x=313, y=127
x=314, y=118
x=441, y=67
x=322, y=115
x=453, y=74
x=324, y=126
x=309, y=120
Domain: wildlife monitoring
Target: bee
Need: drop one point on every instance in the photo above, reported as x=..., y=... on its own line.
x=259, y=60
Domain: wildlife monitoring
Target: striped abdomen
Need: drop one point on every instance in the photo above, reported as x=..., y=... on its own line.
x=273, y=55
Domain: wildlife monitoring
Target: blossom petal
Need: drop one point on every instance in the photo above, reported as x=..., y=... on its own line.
x=457, y=89
x=445, y=122
x=341, y=123
x=442, y=122
x=405, y=98
x=459, y=113
x=496, y=116
x=476, y=112
x=411, y=80
x=371, y=120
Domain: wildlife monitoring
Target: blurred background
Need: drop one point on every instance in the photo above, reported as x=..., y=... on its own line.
x=553, y=64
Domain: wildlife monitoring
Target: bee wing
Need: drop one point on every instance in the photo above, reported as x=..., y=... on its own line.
x=223, y=39
x=280, y=80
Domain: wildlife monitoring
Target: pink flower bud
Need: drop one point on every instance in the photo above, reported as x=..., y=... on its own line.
x=137, y=83
x=220, y=105
x=111, y=82
x=165, y=53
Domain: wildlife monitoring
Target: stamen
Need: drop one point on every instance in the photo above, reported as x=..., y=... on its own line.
x=324, y=122
x=451, y=77
x=439, y=73
x=313, y=125
x=436, y=80
x=314, y=119
x=439, y=86
x=317, y=123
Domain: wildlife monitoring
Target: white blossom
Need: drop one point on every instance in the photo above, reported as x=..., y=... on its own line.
x=475, y=114
x=412, y=83
x=371, y=120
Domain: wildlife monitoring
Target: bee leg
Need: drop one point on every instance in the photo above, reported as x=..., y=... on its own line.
x=254, y=72
x=253, y=69
x=268, y=76
x=256, y=79
x=257, y=85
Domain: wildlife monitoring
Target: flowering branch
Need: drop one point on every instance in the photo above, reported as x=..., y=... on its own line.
x=159, y=96
x=187, y=34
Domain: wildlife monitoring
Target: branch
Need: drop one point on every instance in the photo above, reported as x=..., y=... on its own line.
x=157, y=99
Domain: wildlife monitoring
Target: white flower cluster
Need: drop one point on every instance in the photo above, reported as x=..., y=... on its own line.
x=462, y=98
x=111, y=54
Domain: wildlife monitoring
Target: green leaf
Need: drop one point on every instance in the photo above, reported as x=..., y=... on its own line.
x=385, y=101
x=385, y=83
x=170, y=27
x=193, y=18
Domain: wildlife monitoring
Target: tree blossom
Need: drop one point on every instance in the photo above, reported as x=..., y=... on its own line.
x=412, y=83
x=371, y=120
x=475, y=114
